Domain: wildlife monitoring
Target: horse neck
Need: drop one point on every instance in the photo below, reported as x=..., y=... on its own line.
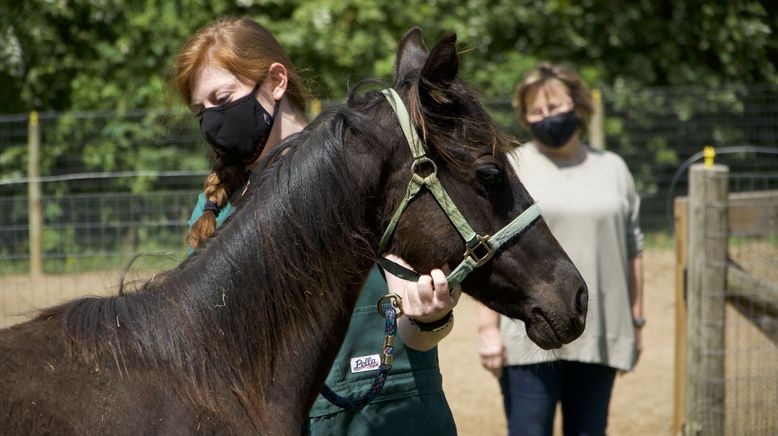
x=273, y=300
x=338, y=214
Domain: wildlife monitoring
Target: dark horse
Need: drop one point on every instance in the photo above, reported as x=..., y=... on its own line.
x=239, y=338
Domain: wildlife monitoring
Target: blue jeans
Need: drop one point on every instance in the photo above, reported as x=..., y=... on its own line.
x=531, y=392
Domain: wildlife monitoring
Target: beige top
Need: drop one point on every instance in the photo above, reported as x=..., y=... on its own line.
x=592, y=209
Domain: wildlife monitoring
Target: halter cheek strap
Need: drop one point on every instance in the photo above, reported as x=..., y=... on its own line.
x=478, y=249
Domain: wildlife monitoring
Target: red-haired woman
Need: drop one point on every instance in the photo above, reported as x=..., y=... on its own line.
x=248, y=96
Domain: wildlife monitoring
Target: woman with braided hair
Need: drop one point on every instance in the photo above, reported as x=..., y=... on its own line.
x=248, y=97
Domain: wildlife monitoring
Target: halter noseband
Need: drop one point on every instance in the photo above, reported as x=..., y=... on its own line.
x=478, y=249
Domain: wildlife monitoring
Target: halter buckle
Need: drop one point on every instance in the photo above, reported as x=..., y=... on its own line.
x=481, y=251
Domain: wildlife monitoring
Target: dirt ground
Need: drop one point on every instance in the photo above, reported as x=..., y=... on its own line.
x=642, y=402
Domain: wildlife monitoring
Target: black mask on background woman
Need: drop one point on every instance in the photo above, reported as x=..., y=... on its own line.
x=556, y=130
x=239, y=129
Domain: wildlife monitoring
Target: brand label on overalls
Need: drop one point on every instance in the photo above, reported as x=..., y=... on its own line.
x=365, y=363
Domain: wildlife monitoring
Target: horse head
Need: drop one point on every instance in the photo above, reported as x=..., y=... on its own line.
x=529, y=277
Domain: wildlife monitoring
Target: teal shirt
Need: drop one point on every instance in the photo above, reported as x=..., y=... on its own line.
x=198, y=211
x=412, y=400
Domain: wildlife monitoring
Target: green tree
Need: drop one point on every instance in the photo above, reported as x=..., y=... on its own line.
x=113, y=54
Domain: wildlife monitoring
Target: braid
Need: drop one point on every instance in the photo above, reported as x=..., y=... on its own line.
x=225, y=178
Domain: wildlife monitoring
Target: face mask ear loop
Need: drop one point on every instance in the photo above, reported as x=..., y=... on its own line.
x=276, y=107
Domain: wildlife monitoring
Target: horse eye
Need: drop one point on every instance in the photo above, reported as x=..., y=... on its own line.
x=489, y=174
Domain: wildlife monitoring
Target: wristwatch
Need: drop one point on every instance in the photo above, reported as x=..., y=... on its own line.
x=434, y=326
x=639, y=322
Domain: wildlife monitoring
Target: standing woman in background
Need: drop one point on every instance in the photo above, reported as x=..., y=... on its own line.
x=236, y=78
x=589, y=201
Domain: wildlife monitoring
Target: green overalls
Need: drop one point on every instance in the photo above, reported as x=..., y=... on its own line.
x=412, y=400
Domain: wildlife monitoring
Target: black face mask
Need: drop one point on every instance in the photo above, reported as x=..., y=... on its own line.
x=555, y=131
x=239, y=129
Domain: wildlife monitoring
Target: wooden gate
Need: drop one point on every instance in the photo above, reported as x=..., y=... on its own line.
x=718, y=298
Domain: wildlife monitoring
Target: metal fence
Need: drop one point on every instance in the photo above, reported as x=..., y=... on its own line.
x=110, y=185
x=656, y=130
x=116, y=183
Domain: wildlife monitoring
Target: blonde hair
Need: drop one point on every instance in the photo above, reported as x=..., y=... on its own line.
x=246, y=49
x=539, y=76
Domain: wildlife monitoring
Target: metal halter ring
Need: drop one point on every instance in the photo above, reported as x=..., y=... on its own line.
x=481, y=251
x=395, y=300
x=422, y=161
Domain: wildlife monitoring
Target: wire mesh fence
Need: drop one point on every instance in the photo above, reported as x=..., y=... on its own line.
x=656, y=130
x=120, y=182
x=751, y=321
x=111, y=185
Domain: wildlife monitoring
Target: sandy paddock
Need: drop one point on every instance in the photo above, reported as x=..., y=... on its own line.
x=642, y=402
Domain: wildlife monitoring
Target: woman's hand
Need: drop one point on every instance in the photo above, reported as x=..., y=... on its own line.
x=491, y=346
x=426, y=301
x=491, y=349
x=638, y=343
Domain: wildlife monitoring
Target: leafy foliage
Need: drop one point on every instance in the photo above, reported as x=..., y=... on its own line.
x=113, y=54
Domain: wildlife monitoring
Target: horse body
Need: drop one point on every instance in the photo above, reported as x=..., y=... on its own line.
x=201, y=332
x=240, y=337
x=47, y=391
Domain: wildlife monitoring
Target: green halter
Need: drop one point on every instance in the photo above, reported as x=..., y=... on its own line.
x=478, y=249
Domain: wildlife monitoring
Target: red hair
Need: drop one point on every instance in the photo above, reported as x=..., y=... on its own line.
x=246, y=49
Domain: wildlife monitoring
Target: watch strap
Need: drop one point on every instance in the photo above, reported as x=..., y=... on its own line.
x=433, y=326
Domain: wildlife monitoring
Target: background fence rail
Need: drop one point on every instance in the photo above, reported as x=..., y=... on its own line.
x=114, y=183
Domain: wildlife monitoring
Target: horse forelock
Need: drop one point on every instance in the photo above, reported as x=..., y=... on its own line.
x=452, y=122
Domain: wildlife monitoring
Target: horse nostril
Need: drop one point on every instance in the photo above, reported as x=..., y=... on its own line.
x=581, y=302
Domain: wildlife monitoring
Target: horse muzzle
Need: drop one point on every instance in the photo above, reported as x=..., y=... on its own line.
x=553, y=325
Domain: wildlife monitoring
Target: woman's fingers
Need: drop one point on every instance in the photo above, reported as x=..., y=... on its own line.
x=427, y=300
x=441, y=286
x=425, y=290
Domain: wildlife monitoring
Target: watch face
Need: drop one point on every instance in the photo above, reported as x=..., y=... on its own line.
x=639, y=322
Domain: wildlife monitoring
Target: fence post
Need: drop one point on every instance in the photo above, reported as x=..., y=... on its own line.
x=34, y=205
x=596, y=123
x=681, y=218
x=706, y=277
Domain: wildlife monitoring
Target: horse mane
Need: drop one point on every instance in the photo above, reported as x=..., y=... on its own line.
x=197, y=320
x=200, y=312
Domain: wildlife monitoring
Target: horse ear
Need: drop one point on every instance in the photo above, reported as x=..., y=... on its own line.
x=411, y=54
x=443, y=62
